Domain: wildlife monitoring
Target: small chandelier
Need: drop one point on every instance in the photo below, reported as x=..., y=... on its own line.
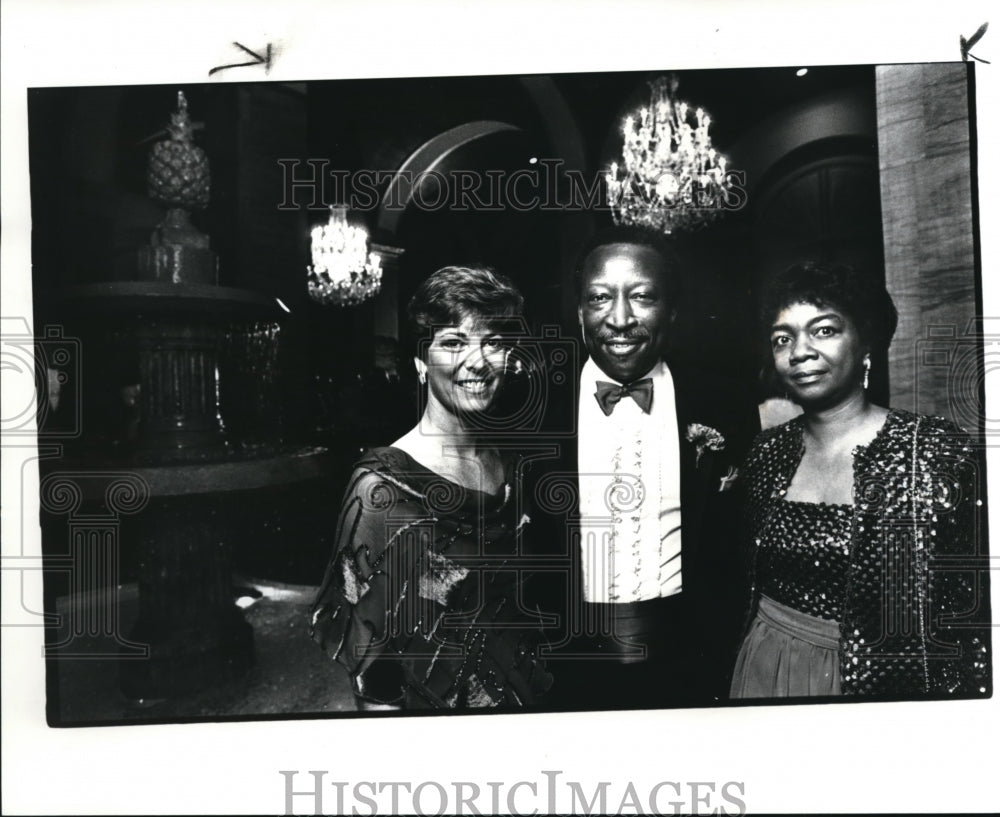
x=673, y=178
x=343, y=272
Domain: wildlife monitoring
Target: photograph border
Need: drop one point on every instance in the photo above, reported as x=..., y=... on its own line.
x=942, y=748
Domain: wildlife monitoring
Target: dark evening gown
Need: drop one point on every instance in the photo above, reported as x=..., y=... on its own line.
x=421, y=602
x=792, y=646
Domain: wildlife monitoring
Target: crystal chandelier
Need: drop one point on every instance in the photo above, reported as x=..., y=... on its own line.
x=673, y=178
x=343, y=272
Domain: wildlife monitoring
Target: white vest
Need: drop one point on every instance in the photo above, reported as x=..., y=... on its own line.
x=630, y=493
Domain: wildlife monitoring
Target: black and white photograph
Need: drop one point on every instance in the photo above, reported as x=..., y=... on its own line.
x=618, y=430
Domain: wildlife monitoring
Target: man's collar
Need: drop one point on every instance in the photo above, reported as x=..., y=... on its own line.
x=592, y=372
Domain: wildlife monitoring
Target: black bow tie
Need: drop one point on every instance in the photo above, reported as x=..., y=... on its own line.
x=609, y=394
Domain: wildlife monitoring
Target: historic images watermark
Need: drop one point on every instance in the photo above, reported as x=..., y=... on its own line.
x=46, y=369
x=545, y=185
x=547, y=794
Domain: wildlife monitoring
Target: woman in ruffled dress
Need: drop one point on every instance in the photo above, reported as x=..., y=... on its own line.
x=420, y=602
x=865, y=523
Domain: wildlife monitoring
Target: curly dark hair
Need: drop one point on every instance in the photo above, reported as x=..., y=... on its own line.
x=859, y=295
x=643, y=237
x=451, y=294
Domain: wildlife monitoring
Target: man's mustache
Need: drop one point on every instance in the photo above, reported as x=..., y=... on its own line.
x=631, y=334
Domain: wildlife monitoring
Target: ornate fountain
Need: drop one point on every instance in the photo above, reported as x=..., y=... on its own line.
x=194, y=393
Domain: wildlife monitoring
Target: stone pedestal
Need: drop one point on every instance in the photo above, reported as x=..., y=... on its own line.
x=178, y=363
x=178, y=253
x=189, y=634
x=187, y=615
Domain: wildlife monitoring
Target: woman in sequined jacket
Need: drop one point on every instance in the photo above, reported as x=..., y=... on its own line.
x=866, y=531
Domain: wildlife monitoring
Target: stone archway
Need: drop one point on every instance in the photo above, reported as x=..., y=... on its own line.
x=561, y=131
x=425, y=160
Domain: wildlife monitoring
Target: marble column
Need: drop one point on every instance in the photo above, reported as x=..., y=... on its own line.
x=927, y=214
x=386, y=303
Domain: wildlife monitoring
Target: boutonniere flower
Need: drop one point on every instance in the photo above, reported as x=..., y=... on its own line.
x=705, y=438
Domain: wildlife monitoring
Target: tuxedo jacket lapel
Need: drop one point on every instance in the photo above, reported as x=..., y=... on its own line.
x=695, y=475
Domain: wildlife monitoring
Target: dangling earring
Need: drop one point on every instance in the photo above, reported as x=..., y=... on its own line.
x=867, y=363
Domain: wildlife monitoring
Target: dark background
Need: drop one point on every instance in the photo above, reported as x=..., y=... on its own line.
x=807, y=144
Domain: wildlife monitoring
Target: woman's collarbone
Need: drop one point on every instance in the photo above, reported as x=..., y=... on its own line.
x=828, y=479
x=477, y=474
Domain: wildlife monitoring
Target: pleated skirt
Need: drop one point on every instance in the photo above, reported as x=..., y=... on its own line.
x=787, y=654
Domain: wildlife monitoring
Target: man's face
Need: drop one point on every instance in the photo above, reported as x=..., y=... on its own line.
x=623, y=309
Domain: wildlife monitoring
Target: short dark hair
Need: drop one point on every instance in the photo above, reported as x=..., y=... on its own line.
x=451, y=294
x=641, y=236
x=860, y=295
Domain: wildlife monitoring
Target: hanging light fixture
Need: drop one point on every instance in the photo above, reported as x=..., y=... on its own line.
x=342, y=272
x=671, y=177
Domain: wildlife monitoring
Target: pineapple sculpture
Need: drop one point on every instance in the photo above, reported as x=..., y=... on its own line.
x=178, y=176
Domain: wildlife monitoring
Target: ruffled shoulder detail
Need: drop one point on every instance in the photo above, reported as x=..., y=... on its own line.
x=409, y=607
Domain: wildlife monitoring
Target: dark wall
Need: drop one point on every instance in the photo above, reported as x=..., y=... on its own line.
x=807, y=145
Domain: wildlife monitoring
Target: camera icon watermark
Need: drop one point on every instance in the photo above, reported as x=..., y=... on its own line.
x=952, y=368
x=40, y=372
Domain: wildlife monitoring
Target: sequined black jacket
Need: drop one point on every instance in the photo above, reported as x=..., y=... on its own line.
x=916, y=601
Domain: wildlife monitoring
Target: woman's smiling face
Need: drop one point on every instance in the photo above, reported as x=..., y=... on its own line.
x=818, y=354
x=465, y=366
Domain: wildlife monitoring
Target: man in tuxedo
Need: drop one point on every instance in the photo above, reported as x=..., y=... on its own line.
x=656, y=592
